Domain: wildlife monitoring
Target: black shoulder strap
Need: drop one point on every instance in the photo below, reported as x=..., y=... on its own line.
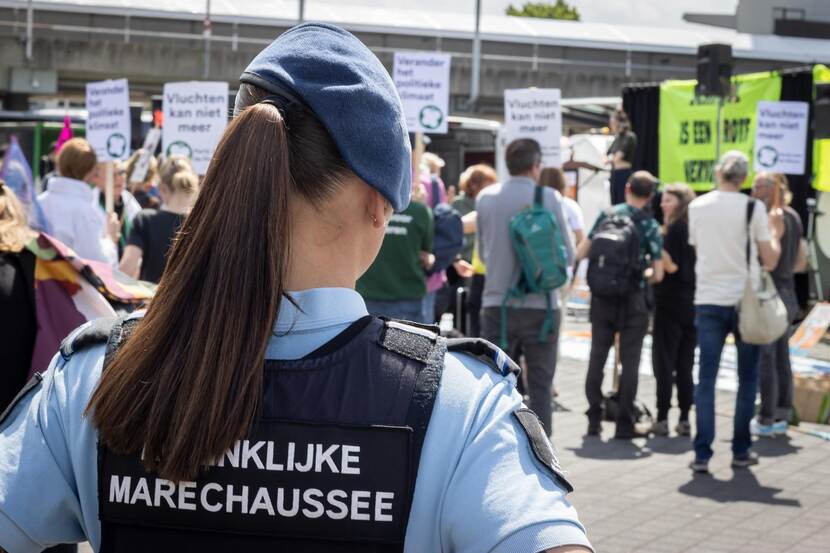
x=97, y=332
x=750, y=208
x=485, y=351
x=538, y=197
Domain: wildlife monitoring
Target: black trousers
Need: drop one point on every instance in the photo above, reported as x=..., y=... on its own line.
x=619, y=178
x=474, y=305
x=672, y=356
x=628, y=317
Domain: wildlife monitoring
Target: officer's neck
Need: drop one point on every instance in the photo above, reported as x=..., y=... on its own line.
x=324, y=253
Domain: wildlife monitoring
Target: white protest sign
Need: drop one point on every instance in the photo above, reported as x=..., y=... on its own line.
x=536, y=113
x=423, y=83
x=108, y=119
x=195, y=116
x=781, y=137
x=151, y=141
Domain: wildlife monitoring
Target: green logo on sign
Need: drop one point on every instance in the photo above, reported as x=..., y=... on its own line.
x=431, y=117
x=767, y=156
x=116, y=145
x=179, y=148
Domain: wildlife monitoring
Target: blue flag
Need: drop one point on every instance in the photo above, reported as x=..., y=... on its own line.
x=17, y=173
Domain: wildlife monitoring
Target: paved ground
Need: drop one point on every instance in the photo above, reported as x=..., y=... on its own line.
x=640, y=496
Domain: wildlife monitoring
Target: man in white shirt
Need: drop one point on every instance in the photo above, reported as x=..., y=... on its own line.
x=68, y=206
x=718, y=230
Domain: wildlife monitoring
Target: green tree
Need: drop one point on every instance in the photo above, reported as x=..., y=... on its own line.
x=548, y=10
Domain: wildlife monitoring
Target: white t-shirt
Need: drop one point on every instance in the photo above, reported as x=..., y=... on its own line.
x=573, y=214
x=717, y=228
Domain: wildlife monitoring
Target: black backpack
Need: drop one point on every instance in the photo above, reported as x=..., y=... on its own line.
x=614, y=267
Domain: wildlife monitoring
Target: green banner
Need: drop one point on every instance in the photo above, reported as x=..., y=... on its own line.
x=688, y=127
x=821, y=148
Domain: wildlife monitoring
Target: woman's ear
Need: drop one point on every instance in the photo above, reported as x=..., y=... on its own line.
x=378, y=209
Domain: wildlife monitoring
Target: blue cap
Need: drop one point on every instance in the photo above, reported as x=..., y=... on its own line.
x=349, y=90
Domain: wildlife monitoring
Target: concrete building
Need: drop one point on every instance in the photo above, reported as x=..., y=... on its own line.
x=50, y=49
x=794, y=18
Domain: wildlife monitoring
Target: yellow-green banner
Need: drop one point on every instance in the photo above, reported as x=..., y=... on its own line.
x=821, y=148
x=688, y=127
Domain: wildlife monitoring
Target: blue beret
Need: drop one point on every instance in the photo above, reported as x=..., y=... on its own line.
x=351, y=93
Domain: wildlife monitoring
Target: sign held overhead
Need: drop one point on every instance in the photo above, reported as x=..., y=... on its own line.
x=781, y=137
x=536, y=113
x=423, y=83
x=108, y=119
x=195, y=116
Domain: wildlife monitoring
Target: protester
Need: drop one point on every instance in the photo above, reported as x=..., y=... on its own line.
x=618, y=278
x=435, y=193
x=721, y=235
x=18, y=324
x=620, y=154
x=776, y=377
x=472, y=181
x=153, y=230
x=394, y=286
x=496, y=205
x=555, y=178
x=70, y=210
x=146, y=192
x=256, y=337
x=674, y=336
x=124, y=205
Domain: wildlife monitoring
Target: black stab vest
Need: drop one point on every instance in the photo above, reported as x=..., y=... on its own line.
x=330, y=464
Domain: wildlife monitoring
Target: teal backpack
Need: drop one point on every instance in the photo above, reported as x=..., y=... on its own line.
x=539, y=248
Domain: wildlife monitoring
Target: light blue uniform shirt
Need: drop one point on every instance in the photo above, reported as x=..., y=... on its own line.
x=479, y=487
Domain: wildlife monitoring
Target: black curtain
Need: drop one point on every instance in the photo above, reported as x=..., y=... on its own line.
x=798, y=87
x=642, y=104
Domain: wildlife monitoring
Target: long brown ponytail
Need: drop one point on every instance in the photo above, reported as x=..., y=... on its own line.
x=188, y=381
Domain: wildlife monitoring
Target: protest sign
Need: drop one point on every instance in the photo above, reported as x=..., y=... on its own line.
x=536, y=113
x=151, y=141
x=195, y=116
x=688, y=127
x=423, y=83
x=108, y=119
x=781, y=137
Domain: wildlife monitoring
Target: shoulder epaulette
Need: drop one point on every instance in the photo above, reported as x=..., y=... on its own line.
x=96, y=332
x=411, y=340
x=486, y=352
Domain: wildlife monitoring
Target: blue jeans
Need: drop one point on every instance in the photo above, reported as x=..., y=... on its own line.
x=407, y=310
x=714, y=323
x=428, y=308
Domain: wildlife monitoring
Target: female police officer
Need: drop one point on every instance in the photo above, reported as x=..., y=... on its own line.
x=256, y=405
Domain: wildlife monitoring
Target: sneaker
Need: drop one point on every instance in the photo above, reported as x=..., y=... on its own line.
x=779, y=428
x=766, y=430
x=699, y=467
x=746, y=461
x=683, y=428
x=660, y=428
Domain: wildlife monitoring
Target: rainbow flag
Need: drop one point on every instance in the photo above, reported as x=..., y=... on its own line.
x=70, y=291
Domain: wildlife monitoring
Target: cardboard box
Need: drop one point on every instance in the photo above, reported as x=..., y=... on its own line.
x=811, y=397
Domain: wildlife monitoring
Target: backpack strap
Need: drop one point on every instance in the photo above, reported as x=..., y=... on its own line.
x=436, y=192
x=486, y=352
x=538, y=198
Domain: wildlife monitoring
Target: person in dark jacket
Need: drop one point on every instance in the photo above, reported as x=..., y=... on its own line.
x=674, y=335
x=620, y=154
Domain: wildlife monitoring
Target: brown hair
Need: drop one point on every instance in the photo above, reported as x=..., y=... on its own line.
x=623, y=122
x=476, y=177
x=76, y=159
x=182, y=398
x=152, y=169
x=14, y=227
x=643, y=184
x=553, y=177
x=684, y=195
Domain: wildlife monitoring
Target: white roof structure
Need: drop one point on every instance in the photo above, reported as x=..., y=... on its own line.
x=501, y=28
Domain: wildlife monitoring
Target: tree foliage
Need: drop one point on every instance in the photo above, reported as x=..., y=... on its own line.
x=548, y=10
